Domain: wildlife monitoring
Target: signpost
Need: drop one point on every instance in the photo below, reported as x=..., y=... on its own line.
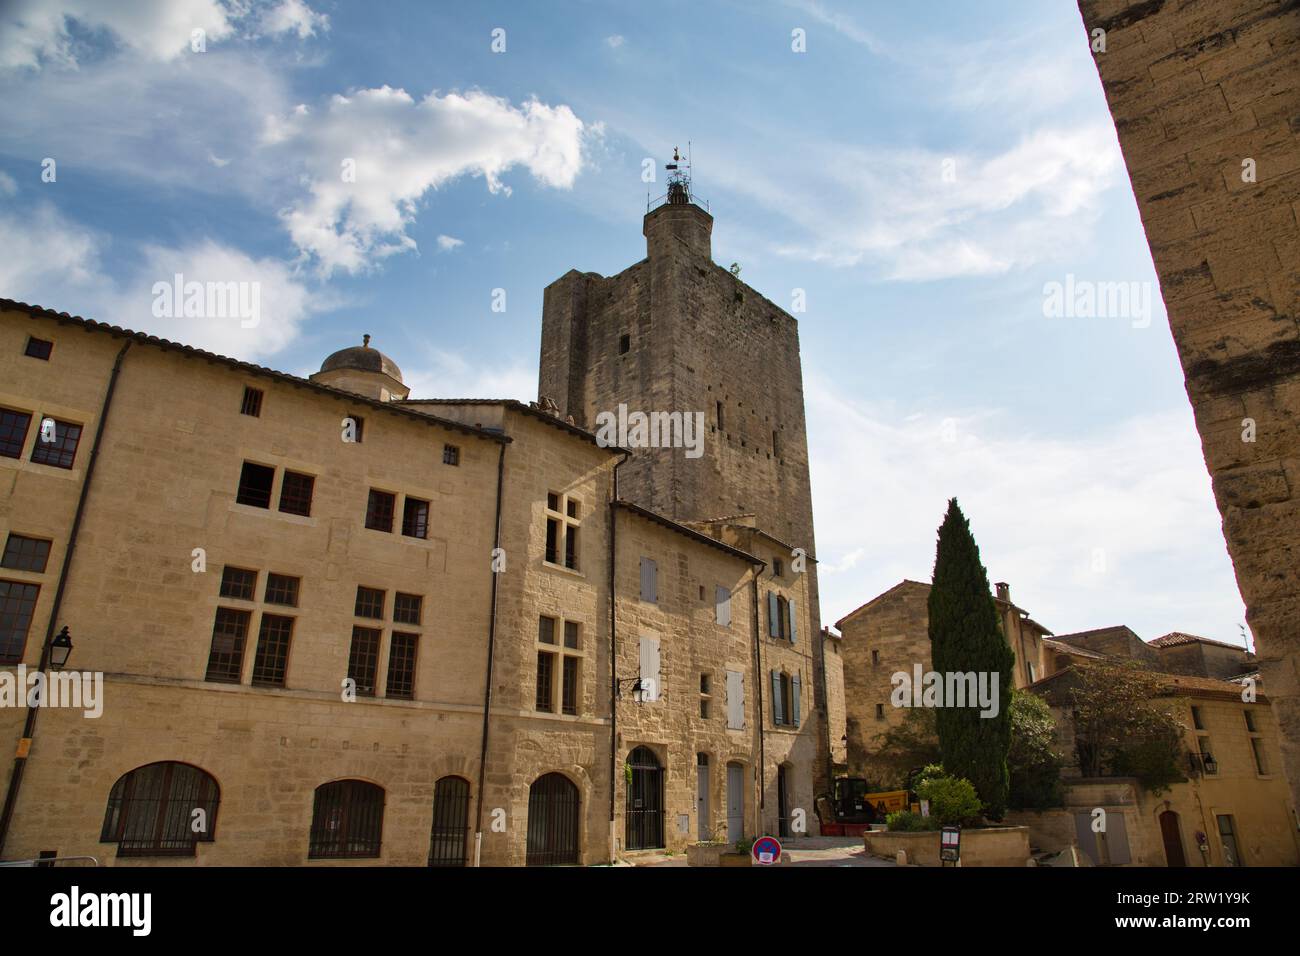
x=767, y=850
x=950, y=846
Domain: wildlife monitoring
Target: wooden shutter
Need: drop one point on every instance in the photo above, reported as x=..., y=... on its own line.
x=649, y=575
x=735, y=700
x=650, y=686
x=773, y=616
x=794, y=636
x=723, y=598
x=778, y=711
x=794, y=698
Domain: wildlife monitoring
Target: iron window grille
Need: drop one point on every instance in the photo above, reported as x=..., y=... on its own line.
x=363, y=659
x=272, y=658
x=152, y=810
x=450, y=455
x=401, y=665
x=545, y=676
x=448, y=839
x=347, y=821
x=252, y=403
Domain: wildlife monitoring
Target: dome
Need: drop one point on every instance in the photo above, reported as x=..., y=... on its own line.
x=362, y=358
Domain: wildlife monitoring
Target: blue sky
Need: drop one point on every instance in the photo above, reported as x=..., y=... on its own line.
x=921, y=174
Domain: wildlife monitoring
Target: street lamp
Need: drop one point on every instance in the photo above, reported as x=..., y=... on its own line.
x=60, y=649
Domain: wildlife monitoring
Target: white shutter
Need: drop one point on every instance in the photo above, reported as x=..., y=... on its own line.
x=735, y=700
x=650, y=686
x=649, y=574
x=794, y=631
x=723, y=597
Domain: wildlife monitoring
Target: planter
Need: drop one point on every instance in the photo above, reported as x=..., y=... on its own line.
x=735, y=859
x=705, y=854
x=987, y=846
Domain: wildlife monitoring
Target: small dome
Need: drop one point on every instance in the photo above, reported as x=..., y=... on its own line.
x=363, y=358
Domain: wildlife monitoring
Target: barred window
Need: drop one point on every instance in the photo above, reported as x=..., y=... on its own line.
x=450, y=455
x=238, y=583
x=17, y=602
x=347, y=821
x=415, y=518
x=379, y=511
x=26, y=554
x=363, y=660
x=545, y=677
x=226, y=658
x=62, y=449
x=252, y=404
x=401, y=665
x=255, y=485
x=13, y=432
x=161, y=809
x=569, y=695
x=281, y=589
x=407, y=608
x=296, y=492
x=369, y=603
x=272, y=657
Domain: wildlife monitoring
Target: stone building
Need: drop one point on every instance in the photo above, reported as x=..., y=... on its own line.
x=336, y=622
x=1205, y=97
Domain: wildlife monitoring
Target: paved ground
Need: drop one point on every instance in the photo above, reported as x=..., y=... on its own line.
x=804, y=851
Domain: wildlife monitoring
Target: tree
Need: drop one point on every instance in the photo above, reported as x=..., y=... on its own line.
x=1121, y=726
x=966, y=636
x=1033, y=764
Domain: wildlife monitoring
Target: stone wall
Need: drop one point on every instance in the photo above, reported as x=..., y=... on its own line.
x=1206, y=101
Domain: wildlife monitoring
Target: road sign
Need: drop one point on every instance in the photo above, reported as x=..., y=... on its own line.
x=767, y=850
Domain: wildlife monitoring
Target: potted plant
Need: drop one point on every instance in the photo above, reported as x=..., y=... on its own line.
x=742, y=854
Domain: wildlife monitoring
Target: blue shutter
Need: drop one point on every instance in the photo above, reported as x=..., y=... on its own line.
x=794, y=634
x=773, y=616
x=778, y=716
x=795, y=696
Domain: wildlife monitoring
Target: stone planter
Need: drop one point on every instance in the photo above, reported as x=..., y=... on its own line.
x=705, y=854
x=735, y=859
x=988, y=846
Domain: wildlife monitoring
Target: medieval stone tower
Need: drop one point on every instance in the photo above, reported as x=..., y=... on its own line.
x=677, y=332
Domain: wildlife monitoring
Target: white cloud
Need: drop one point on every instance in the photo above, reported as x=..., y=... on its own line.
x=55, y=255
x=293, y=16
x=438, y=373
x=1038, y=504
x=842, y=24
x=448, y=243
x=400, y=149
x=7, y=185
x=616, y=41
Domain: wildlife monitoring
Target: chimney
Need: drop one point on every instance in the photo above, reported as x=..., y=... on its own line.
x=1004, y=591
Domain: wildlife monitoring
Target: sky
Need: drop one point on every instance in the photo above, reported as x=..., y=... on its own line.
x=936, y=192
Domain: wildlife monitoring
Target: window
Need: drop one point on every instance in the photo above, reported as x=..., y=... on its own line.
x=571, y=634
x=735, y=700
x=706, y=694
x=562, y=530
x=649, y=581
x=369, y=603
x=776, y=567
x=450, y=455
x=39, y=348
x=875, y=658
x=569, y=696
x=546, y=630
x=722, y=598
x=781, y=621
x=1207, y=756
x=401, y=665
x=347, y=821
x=226, y=657
x=252, y=404
x=296, y=492
x=13, y=432
x=57, y=443
x=624, y=344
x=880, y=712
x=272, y=655
x=354, y=429
x=1250, y=720
x=238, y=583
x=17, y=602
x=407, y=608
x=415, y=518
x=545, y=677
x=363, y=659
x=1196, y=718
x=27, y=554
x=379, y=511
x=1257, y=748
x=255, y=485
x=281, y=589
x=786, y=708
x=151, y=810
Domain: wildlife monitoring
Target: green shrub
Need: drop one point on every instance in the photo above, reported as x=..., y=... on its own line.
x=905, y=821
x=953, y=800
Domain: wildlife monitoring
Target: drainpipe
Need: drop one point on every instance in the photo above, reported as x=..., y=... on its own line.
x=759, y=682
x=29, y=728
x=487, y=690
x=613, y=658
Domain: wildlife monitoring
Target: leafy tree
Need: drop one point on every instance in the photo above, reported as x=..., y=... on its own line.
x=953, y=801
x=1033, y=764
x=1122, y=724
x=965, y=635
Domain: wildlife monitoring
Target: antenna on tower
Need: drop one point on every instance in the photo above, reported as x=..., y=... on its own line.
x=679, y=178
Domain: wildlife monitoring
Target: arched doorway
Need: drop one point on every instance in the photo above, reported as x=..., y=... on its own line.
x=552, y=821
x=450, y=822
x=1173, y=839
x=644, y=827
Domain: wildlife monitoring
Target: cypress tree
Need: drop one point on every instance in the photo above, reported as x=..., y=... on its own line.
x=966, y=635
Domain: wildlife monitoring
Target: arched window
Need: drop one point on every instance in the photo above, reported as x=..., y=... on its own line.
x=450, y=822
x=347, y=821
x=161, y=809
